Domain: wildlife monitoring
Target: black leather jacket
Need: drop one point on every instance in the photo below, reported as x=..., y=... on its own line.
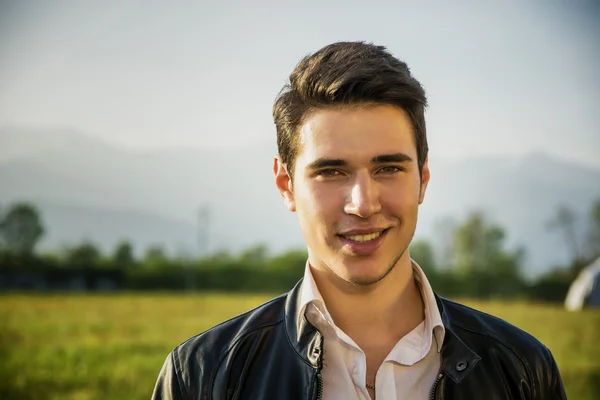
x=267, y=354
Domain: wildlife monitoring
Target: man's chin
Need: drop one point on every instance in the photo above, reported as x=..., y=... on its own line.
x=366, y=276
x=366, y=271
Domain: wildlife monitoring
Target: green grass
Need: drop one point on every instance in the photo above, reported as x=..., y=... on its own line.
x=88, y=347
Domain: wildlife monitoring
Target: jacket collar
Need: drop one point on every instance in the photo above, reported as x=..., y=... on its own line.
x=306, y=340
x=458, y=359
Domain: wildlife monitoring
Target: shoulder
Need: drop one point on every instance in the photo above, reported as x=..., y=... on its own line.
x=478, y=329
x=496, y=340
x=193, y=363
x=222, y=337
x=190, y=367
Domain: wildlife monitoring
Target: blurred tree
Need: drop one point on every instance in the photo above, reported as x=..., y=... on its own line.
x=444, y=237
x=156, y=257
x=596, y=215
x=221, y=256
x=21, y=229
x=123, y=257
x=564, y=220
x=478, y=246
x=483, y=268
x=423, y=253
x=255, y=255
x=593, y=237
x=85, y=255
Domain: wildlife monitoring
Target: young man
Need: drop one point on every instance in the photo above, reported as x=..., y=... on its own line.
x=364, y=321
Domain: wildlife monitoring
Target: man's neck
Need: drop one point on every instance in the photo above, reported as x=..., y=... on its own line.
x=383, y=312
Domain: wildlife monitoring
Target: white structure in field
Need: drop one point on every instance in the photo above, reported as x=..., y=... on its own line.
x=585, y=290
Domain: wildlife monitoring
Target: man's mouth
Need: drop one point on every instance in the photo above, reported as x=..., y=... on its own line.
x=365, y=237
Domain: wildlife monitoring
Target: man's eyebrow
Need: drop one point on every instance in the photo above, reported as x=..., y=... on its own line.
x=337, y=162
x=391, y=158
x=326, y=162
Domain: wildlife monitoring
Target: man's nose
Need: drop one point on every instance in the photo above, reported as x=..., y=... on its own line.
x=364, y=197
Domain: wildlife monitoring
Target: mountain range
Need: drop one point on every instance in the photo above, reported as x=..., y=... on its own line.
x=87, y=189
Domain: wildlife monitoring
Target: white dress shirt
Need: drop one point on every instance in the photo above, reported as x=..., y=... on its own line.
x=409, y=370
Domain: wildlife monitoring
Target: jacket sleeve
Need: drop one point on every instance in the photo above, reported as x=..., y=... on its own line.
x=168, y=385
x=554, y=388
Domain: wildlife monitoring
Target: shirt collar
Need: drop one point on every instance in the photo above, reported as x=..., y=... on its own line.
x=310, y=292
x=433, y=319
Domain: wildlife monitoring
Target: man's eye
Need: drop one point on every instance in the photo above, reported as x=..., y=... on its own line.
x=390, y=169
x=327, y=173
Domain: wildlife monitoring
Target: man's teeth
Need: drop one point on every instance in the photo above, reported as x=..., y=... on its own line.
x=363, y=238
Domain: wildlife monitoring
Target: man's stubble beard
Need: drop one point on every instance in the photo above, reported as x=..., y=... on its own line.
x=368, y=282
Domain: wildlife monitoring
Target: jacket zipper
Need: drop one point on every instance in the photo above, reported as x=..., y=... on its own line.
x=319, y=376
x=437, y=380
x=319, y=385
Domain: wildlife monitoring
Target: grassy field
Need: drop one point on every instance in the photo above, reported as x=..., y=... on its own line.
x=88, y=347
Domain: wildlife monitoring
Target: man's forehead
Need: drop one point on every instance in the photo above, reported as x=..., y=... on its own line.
x=353, y=146
x=348, y=126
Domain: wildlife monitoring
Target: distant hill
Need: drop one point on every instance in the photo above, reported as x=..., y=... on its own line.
x=70, y=224
x=90, y=189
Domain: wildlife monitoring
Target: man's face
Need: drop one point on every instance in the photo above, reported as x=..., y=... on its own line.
x=356, y=190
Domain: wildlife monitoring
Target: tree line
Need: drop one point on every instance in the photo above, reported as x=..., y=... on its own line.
x=477, y=263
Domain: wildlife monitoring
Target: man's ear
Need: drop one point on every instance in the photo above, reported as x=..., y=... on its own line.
x=283, y=181
x=425, y=176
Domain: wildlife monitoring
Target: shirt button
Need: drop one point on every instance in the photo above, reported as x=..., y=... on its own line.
x=355, y=370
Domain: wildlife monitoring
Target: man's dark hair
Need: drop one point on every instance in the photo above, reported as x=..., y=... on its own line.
x=347, y=74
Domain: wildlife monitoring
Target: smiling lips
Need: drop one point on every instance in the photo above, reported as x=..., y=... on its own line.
x=363, y=242
x=362, y=235
x=363, y=238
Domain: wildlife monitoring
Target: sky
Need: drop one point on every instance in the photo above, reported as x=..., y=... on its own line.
x=503, y=78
